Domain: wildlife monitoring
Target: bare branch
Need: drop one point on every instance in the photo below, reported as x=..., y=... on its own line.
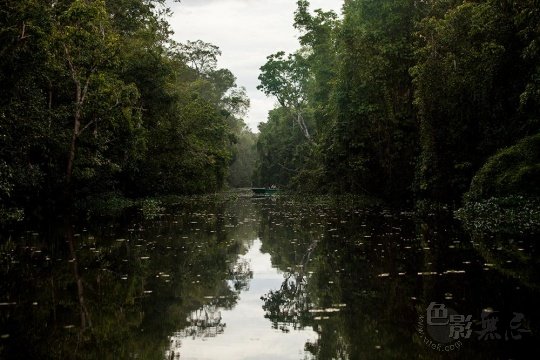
x=90, y=123
x=87, y=83
x=70, y=63
x=23, y=32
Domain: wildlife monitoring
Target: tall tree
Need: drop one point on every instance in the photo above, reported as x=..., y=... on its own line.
x=85, y=47
x=285, y=77
x=470, y=81
x=373, y=138
x=95, y=94
x=303, y=83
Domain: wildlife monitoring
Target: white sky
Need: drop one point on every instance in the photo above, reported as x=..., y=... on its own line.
x=246, y=31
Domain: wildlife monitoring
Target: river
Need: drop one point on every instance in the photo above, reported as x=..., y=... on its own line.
x=236, y=277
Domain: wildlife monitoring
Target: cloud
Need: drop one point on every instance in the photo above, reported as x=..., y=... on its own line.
x=199, y=3
x=247, y=31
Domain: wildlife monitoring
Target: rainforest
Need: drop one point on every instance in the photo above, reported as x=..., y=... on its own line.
x=146, y=212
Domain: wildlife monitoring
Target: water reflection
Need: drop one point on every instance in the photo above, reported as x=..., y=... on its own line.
x=203, y=323
x=247, y=334
x=242, y=278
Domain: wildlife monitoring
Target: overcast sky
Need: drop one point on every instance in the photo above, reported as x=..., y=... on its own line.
x=246, y=31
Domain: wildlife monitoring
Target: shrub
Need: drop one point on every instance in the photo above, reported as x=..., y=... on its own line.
x=512, y=171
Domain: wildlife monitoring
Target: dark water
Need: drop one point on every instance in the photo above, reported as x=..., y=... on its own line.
x=271, y=278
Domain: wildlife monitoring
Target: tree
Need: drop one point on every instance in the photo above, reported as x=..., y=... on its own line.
x=372, y=141
x=242, y=167
x=85, y=47
x=95, y=93
x=469, y=80
x=286, y=79
x=200, y=56
x=303, y=83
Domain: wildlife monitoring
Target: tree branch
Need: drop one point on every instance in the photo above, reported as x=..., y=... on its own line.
x=90, y=123
x=70, y=63
x=23, y=32
x=87, y=83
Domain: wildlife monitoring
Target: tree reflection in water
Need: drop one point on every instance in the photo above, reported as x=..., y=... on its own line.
x=205, y=322
x=354, y=278
x=287, y=306
x=364, y=284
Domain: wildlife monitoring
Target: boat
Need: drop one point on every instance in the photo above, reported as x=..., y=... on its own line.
x=264, y=191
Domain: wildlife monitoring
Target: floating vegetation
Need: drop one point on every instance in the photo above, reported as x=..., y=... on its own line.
x=11, y=215
x=108, y=204
x=454, y=272
x=151, y=208
x=427, y=273
x=8, y=303
x=332, y=310
x=514, y=215
x=332, y=269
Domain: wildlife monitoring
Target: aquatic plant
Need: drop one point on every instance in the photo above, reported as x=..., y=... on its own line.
x=511, y=214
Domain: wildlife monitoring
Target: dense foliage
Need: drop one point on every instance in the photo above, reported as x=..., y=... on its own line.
x=244, y=159
x=514, y=170
x=396, y=99
x=96, y=98
x=402, y=99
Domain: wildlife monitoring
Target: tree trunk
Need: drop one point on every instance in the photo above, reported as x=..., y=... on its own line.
x=303, y=127
x=84, y=314
x=76, y=129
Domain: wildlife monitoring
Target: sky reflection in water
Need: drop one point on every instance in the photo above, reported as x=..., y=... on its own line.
x=337, y=280
x=248, y=335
